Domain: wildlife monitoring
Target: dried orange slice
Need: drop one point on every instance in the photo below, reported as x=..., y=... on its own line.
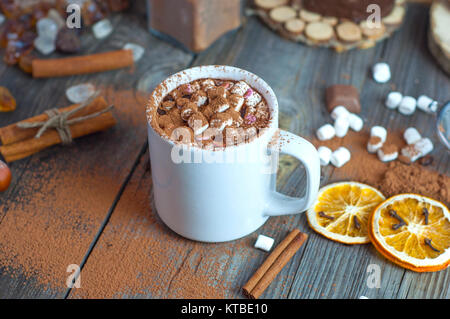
x=341, y=211
x=412, y=231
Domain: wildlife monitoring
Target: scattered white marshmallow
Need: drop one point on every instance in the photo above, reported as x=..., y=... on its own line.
x=263, y=242
x=411, y=152
x=424, y=146
x=427, y=104
x=379, y=131
x=407, y=105
x=339, y=111
x=324, y=155
x=374, y=147
x=386, y=156
x=419, y=149
x=393, y=100
x=411, y=135
x=381, y=72
x=326, y=132
x=375, y=144
x=341, y=126
x=340, y=156
x=356, y=122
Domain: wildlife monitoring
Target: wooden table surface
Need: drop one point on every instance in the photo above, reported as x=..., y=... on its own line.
x=64, y=188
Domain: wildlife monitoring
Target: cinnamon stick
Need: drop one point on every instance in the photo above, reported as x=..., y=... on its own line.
x=12, y=134
x=280, y=256
x=92, y=63
x=25, y=148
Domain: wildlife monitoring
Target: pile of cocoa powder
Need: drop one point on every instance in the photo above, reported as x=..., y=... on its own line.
x=390, y=178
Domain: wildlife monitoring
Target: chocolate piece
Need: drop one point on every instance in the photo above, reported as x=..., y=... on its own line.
x=426, y=160
x=355, y=10
x=345, y=95
x=195, y=23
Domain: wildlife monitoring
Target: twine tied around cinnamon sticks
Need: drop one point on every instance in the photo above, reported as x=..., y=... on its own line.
x=60, y=120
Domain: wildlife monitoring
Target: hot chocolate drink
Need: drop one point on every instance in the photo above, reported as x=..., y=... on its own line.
x=212, y=113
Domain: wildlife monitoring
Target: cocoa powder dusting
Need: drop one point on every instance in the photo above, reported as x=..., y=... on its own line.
x=390, y=178
x=54, y=211
x=63, y=198
x=138, y=254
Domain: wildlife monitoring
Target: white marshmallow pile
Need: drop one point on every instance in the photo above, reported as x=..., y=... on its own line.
x=407, y=104
x=393, y=100
x=263, y=242
x=417, y=145
x=343, y=120
x=381, y=133
x=381, y=72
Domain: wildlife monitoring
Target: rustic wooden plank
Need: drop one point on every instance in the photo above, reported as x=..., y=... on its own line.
x=68, y=191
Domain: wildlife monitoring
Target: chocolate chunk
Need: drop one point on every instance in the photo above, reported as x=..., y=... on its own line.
x=68, y=41
x=427, y=160
x=161, y=111
x=345, y=95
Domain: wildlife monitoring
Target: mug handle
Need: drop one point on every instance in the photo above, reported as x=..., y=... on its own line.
x=278, y=204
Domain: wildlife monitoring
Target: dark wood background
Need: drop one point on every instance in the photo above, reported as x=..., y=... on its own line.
x=298, y=75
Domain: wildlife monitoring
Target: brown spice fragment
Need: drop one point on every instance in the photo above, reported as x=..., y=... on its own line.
x=322, y=214
x=428, y=243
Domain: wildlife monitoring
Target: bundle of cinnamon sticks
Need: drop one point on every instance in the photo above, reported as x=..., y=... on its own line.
x=274, y=264
x=19, y=143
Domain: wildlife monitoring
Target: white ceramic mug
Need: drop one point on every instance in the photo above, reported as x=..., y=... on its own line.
x=217, y=201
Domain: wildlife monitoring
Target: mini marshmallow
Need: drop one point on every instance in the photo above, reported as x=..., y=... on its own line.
x=381, y=72
x=340, y=156
x=326, y=132
x=407, y=105
x=240, y=88
x=236, y=102
x=324, y=155
x=427, y=104
x=207, y=84
x=356, y=122
x=374, y=144
x=339, y=111
x=379, y=131
x=263, y=242
x=252, y=98
x=341, y=126
x=388, y=153
x=411, y=152
x=411, y=135
x=393, y=100
x=424, y=146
